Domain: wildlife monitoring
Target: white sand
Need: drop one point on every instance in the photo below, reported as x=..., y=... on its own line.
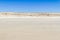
x=29, y=28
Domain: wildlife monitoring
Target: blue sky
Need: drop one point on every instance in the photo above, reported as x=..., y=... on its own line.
x=29, y=5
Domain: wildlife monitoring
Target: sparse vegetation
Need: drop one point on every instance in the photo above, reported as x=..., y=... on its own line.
x=29, y=14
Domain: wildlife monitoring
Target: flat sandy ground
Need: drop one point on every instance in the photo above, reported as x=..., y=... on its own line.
x=43, y=28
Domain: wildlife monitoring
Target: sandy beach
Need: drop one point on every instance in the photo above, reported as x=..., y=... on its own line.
x=29, y=28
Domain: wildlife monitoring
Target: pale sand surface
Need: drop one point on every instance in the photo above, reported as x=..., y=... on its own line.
x=28, y=28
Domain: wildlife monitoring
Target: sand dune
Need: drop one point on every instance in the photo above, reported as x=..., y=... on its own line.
x=30, y=28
